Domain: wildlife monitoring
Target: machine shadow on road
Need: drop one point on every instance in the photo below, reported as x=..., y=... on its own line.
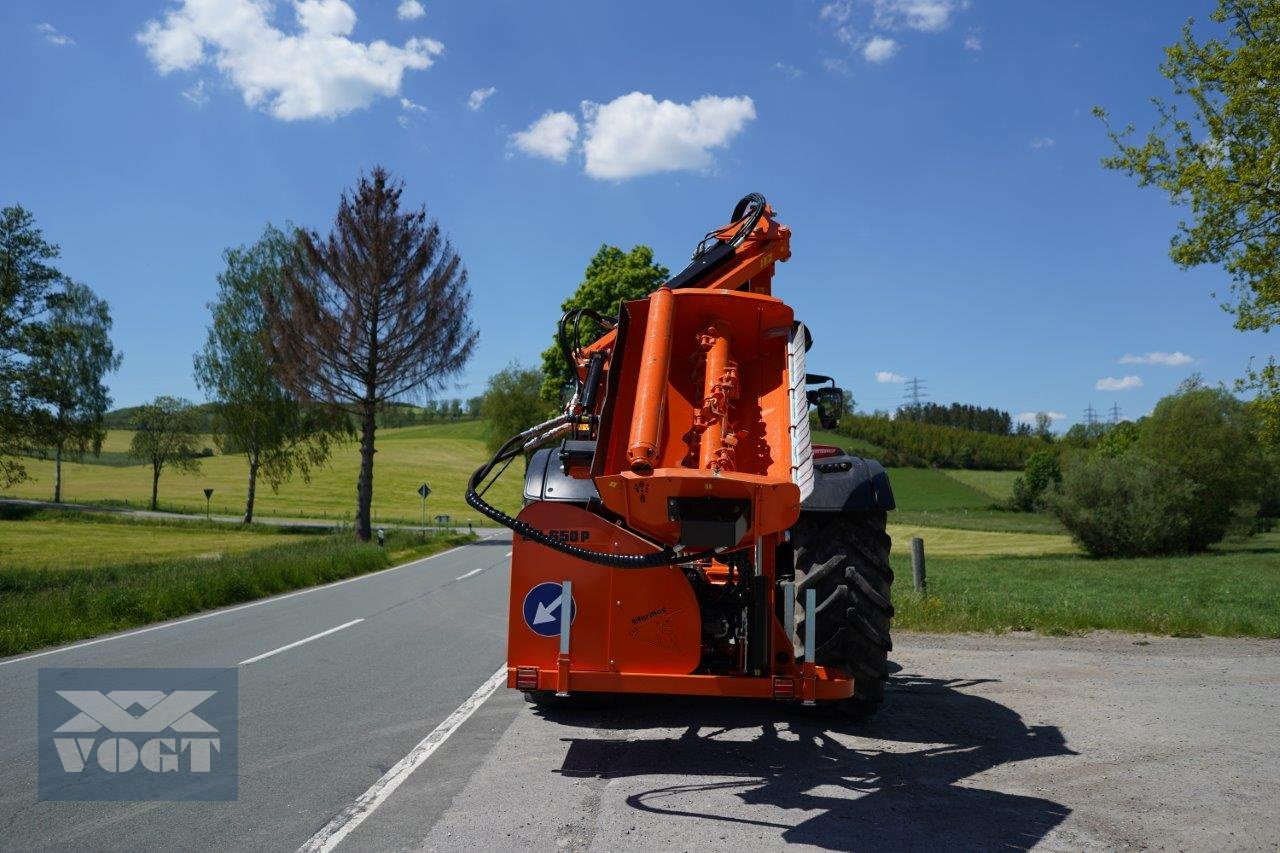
x=888, y=784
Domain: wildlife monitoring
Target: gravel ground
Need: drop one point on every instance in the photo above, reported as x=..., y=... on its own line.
x=1103, y=742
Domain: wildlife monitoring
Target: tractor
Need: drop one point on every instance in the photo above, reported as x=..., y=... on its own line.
x=680, y=533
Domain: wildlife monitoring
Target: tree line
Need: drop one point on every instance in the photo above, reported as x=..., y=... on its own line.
x=960, y=416
x=313, y=340
x=55, y=352
x=913, y=444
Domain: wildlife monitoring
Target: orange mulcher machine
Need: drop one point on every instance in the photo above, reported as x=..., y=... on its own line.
x=680, y=533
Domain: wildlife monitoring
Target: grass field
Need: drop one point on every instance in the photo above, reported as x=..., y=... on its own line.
x=1232, y=591
x=57, y=544
x=996, y=485
x=949, y=542
x=42, y=604
x=442, y=455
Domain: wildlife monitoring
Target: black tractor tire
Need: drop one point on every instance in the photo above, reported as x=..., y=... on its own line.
x=844, y=558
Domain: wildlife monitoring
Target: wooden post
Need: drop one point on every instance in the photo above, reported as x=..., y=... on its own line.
x=917, y=563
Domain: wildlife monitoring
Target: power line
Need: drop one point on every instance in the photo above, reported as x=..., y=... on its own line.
x=1115, y=413
x=1090, y=415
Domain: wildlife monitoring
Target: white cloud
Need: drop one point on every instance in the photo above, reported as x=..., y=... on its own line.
x=1030, y=417
x=879, y=49
x=789, y=70
x=196, y=94
x=637, y=134
x=52, y=36
x=551, y=136
x=973, y=41
x=478, y=96
x=410, y=10
x=836, y=66
x=928, y=16
x=887, y=376
x=316, y=72
x=1165, y=359
x=1125, y=383
x=864, y=27
x=411, y=107
x=1041, y=142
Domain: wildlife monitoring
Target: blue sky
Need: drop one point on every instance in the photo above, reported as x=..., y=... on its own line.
x=936, y=161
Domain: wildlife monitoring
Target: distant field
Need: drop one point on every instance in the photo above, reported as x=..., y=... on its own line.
x=40, y=544
x=997, y=485
x=442, y=455
x=930, y=489
x=1232, y=591
x=944, y=542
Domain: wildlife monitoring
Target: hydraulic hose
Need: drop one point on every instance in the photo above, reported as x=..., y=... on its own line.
x=526, y=441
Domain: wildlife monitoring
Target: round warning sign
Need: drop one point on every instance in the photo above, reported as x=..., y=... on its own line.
x=543, y=606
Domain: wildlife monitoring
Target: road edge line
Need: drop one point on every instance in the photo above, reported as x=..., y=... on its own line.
x=331, y=835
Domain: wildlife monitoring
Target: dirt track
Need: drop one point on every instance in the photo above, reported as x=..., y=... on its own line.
x=1103, y=742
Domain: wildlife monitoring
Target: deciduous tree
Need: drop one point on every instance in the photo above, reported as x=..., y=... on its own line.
x=27, y=277
x=71, y=353
x=253, y=413
x=166, y=434
x=512, y=403
x=1216, y=150
x=377, y=310
x=612, y=277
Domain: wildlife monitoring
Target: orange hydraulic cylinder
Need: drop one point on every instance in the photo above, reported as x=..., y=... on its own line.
x=715, y=399
x=651, y=386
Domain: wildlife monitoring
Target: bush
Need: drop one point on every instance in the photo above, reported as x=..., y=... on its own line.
x=1041, y=477
x=910, y=444
x=1126, y=506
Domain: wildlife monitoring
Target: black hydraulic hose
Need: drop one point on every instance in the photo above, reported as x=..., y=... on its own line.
x=514, y=446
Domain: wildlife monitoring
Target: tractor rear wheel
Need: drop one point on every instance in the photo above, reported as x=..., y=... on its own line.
x=844, y=558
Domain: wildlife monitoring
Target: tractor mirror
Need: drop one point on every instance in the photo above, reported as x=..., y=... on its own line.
x=830, y=402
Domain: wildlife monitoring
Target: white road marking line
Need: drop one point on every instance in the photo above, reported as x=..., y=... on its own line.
x=209, y=615
x=469, y=574
x=353, y=815
x=508, y=554
x=294, y=645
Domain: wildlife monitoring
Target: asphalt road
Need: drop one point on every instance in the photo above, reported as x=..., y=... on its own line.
x=1096, y=743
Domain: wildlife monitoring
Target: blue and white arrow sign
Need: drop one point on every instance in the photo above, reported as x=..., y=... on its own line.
x=543, y=608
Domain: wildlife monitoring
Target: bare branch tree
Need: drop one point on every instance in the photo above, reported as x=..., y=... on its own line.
x=375, y=312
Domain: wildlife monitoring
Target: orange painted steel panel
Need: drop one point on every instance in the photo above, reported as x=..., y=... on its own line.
x=643, y=620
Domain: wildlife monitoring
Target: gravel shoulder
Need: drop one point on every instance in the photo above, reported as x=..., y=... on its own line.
x=1106, y=741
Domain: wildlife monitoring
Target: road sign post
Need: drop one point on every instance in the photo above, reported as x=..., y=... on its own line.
x=423, y=491
x=208, y=496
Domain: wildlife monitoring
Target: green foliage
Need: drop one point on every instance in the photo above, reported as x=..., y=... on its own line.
x=254, y=415
x=27, y=277
x=1118, y=440
x=512, y=403
x=1208, y=437
x=1192, y=472
x=1126, y=507
x=1216, y=150
x=958, y=415
x=70, y=355
x=911, y=444
x=611, y=278
x=166, y=434
x=1041, y=477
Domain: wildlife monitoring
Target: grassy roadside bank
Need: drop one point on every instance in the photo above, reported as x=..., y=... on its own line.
x=49, y=606
x=1232, y=591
